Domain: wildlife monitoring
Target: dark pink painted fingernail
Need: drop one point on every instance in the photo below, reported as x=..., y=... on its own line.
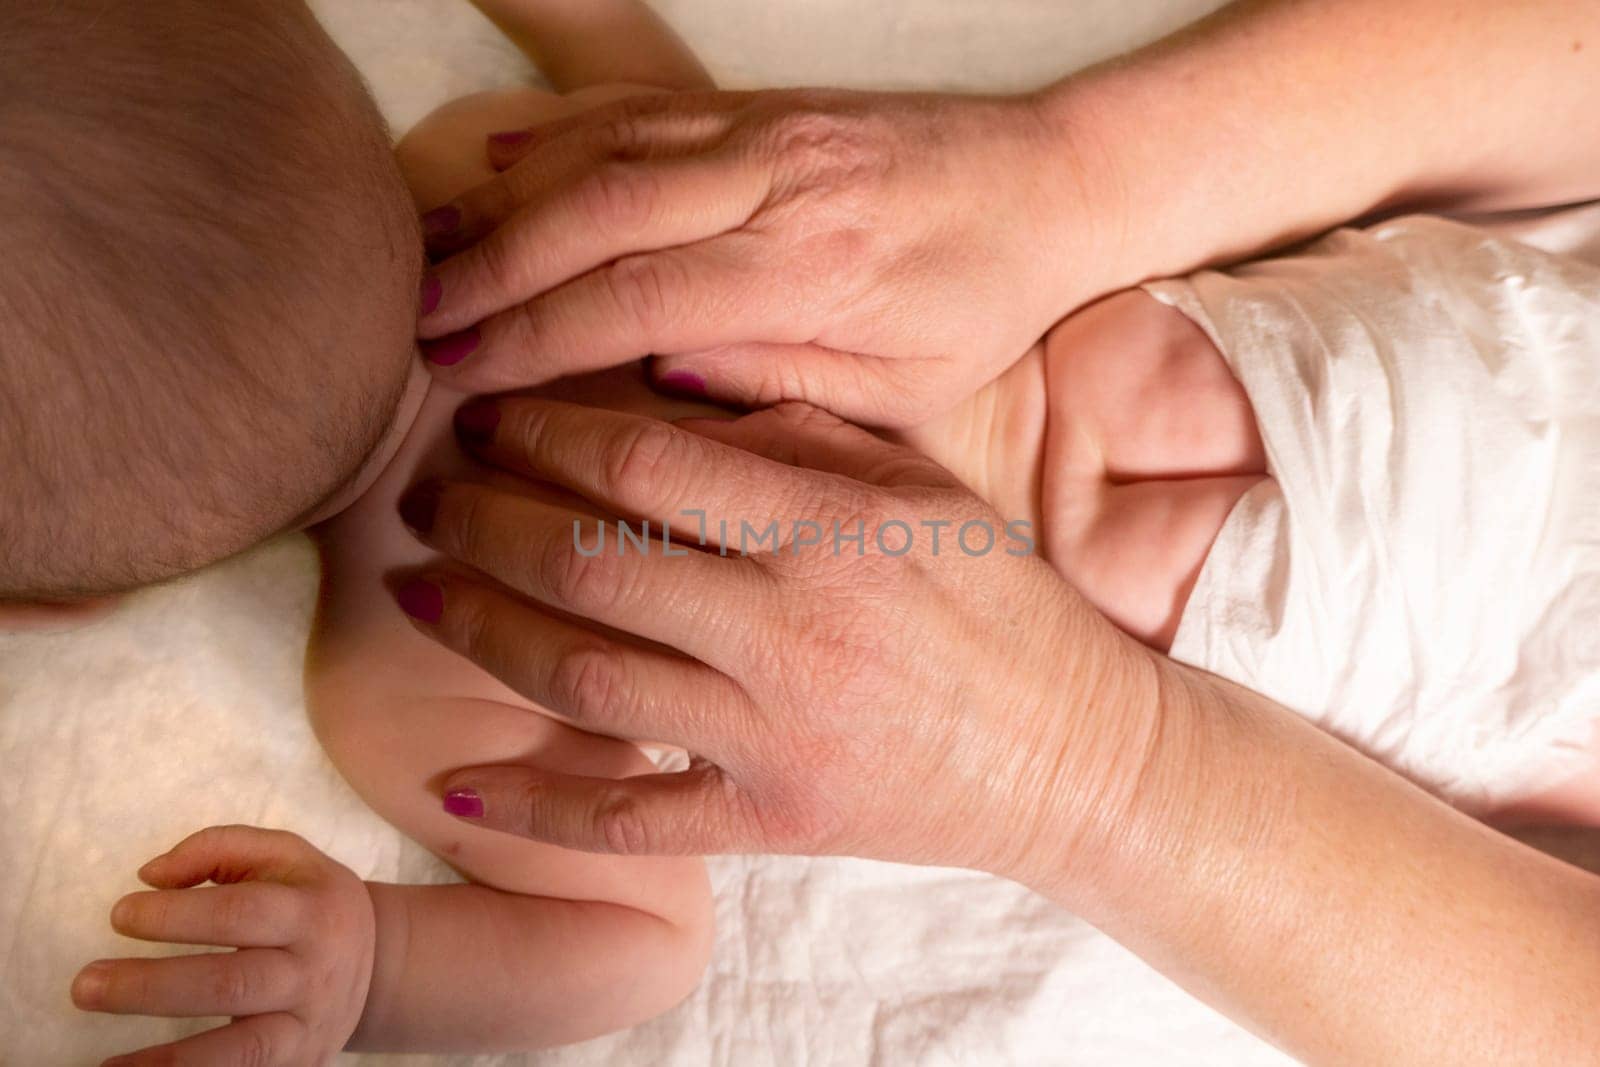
x=510, y=138
x=683, y=381
x=422, y=600
x=464, y=804
x=431, y=293
x=419, y=506
x=477, y=422
x=441, y=222
x=449, y=350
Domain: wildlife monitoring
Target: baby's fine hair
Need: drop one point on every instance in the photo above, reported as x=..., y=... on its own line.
x=208, y=279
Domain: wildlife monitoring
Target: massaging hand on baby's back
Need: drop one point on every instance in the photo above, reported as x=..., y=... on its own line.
x=883, y=255
x=905, y=701
x=302, y=926
x=960, y=709
x=880, y=256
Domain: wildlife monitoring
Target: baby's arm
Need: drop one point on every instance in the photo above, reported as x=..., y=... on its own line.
x=583, y=43
x=546, y=945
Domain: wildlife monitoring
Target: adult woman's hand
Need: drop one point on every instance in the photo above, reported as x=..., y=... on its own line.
x=971, y=710
x=864, y=657
x=881, y=255
x=884, y=254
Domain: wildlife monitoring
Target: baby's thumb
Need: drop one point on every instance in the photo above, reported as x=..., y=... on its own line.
x=862, y=389
x=227, y=854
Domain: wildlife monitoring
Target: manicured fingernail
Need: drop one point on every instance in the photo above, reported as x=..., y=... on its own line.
x=683, y=381
x=464, y=804
x=477, y=422
x=422, y=600
x=441, y=222
x=418, y=507
x=510, y=138
x=90, y=984
x=452, y=349
x=431, y=293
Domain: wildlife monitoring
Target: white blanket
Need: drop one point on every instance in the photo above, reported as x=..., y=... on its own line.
x=185, y=708
x=1421, y=575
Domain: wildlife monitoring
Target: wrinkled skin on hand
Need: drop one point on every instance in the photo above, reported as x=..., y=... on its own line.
x=930, y=707
x=879, y=255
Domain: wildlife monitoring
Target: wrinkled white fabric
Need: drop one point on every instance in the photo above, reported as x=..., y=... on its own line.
x=1422, y=574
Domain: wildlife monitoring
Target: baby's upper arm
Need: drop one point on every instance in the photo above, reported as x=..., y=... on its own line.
x=396, y=712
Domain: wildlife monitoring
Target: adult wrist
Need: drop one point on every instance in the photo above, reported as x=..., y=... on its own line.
x=1086, y=209
x=1102, y=788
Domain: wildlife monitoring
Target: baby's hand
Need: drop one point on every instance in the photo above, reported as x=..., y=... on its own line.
x=303, y=929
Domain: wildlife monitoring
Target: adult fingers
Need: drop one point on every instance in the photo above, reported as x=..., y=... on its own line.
x=634, y=127
x=683, y=299
x=801, y=435
x=591, y=216
x=869, y=390
x=230, y=854
x=253, y=915
x=632, y=465
x=251, y=981
x=603, y=685
x=541, y=551
x=273, y=1040
x=691, y=813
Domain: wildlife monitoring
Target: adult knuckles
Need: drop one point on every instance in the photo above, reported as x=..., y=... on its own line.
x=468, y=524
x=643, y=458
x=619, y=198
x=621, y=134
x=621, y=822
x=505, y=261
x=643, y=288
x=585, y=583
x=471, y=624
x=587, y=681
x=798, y=821
x=816, y=137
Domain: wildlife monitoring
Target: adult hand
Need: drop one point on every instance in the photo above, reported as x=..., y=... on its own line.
x=939, y=705
x=972, y=711
x=879, y=255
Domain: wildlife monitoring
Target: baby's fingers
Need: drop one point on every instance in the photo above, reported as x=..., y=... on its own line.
x=233, y=854
x=252, y=981
x=256, y=915
x=258, y=1040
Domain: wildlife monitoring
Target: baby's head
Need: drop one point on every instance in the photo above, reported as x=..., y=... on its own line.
x=208, y=286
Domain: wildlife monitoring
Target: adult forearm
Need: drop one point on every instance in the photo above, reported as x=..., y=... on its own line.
x=1336, y=909
x=1275, y=119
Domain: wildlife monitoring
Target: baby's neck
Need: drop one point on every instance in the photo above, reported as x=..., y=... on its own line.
x=404, y=424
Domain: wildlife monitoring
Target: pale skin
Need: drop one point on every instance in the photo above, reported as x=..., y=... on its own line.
x=543, y=944
x=1304, y=890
